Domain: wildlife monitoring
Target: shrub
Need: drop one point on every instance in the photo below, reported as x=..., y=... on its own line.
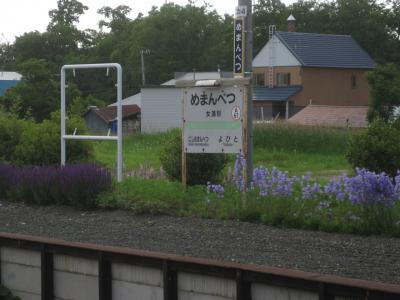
x=40, y=143
x=384, y=81
x=201, y=168
x=75, y=185
x=378, y=148
x=10, y=133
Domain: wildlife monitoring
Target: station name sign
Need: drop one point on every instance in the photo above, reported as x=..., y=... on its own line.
x=239, y=46
x=213, y=118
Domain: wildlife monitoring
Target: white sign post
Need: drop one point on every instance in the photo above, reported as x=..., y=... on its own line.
x=213, y=120
x=214, y=117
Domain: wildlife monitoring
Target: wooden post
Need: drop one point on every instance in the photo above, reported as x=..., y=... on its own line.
x=245, y=132
x=287, y=110
x=184, y=168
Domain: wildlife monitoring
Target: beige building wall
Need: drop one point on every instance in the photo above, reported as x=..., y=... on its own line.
x=295, y=74
x=325, y=86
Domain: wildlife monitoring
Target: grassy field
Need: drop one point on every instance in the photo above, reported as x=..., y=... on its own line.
x=292, y=148
x=138, y=149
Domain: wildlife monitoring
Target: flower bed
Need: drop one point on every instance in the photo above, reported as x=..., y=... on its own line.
x=365, y=203
x=76, y=185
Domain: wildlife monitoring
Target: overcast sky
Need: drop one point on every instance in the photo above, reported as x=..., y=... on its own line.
x=20, y=16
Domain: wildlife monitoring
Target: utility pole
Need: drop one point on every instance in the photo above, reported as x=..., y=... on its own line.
x=248, y=72
x=142, y=53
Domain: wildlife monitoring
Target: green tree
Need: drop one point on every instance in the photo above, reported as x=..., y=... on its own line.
x=366, y=21
x=117, y=18
x=67, y=13
x=385, y=91
x=180, y=38
x=266, y=13
x=7, y=58
x=36, y=95
x=31, y=45
x=62, y=35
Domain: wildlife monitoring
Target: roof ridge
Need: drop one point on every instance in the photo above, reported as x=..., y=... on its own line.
x=312, y=33
x=280, y=87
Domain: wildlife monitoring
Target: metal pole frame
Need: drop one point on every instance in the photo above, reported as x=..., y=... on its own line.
x=118, y=138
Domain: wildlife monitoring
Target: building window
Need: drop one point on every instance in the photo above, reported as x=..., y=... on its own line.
x=259, y=79
x=353, y=81
x=283, y=79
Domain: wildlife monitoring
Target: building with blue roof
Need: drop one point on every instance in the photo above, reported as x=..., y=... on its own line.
x=296, y=69
x=8, y=80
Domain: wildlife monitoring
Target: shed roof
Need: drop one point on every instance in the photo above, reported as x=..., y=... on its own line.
x=198, y=76
x=132, y=100
x=109, y=113
x=10, y=76
x=275, y=93
x=336, y=116
x=326, y=50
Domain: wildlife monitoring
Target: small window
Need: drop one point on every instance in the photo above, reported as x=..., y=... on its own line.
x=353, y=81
x=283, y=79
x=259, y=79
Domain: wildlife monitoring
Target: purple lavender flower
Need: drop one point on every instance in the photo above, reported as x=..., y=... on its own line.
x=216, y=188
x=368, y=188
x=240, y=165
x=259, y=180
x=275, y=182
x=76, y=185
x=335, y=188
x=310, y=190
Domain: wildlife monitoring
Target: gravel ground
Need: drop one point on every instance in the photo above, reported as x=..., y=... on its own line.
x=370, y=258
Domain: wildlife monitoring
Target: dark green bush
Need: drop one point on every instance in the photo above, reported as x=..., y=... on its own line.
x=378, y=148
x=10, y=133
x=201, y=168
x=39, y=143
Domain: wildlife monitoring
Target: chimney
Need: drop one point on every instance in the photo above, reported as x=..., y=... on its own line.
x=291, y=23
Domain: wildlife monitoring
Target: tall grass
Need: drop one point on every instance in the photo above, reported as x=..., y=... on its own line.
x=294, y=148
x=296, y=138
x=139, y=150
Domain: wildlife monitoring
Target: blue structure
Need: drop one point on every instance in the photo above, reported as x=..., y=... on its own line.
x=7, y=84
x=8, y=80
x=276, y=93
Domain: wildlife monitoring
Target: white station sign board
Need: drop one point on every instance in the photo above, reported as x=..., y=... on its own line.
x=213, y=119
